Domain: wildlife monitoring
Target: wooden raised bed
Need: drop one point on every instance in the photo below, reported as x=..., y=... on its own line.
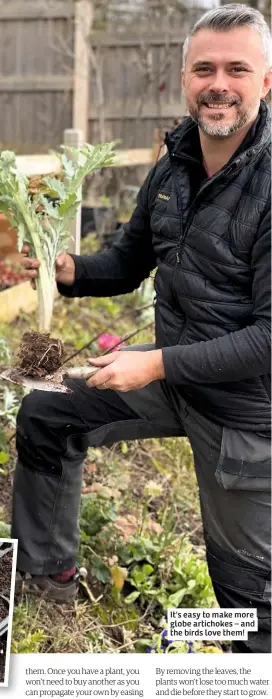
x=8, y=238
x=18, y=298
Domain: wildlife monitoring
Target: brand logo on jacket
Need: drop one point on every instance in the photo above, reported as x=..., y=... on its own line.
x=163, y=196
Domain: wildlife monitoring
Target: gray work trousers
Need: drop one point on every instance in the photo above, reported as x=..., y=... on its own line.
x=232, y=467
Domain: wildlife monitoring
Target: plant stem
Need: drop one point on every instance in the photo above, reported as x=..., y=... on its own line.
x=45, y=287
x=45, y=292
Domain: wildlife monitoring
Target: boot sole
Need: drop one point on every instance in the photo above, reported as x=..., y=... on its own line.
x=51, y=592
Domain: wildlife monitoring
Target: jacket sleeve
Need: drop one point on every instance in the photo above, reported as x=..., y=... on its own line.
x=243, y=354
x=122, y=268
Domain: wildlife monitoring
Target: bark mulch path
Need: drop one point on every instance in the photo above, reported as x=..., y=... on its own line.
x=4, y=609
x=5, y=572
x=3, y=647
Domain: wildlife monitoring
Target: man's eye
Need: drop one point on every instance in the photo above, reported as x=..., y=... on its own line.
x=206, y=69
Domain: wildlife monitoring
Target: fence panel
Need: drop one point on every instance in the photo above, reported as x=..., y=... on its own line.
x=36, y=73
x=141, y=87
x=134, y=82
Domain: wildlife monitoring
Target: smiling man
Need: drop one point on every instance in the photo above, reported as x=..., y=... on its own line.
x=224, y=80
x=223, y=90
x=203, y=220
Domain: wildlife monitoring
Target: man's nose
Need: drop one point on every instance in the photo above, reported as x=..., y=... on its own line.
x=219, y=82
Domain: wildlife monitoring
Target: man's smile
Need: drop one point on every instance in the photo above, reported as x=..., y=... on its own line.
x=217, y=106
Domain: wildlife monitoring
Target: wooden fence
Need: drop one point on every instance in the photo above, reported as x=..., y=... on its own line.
x=123, y=84
x=35, y=82
x=133, y=83
x=142, y=90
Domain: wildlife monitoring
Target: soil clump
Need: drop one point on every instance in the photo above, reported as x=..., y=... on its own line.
x=39, y=356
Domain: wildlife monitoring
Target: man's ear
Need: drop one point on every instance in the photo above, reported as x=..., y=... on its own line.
x=182, y=79
x=267, y=83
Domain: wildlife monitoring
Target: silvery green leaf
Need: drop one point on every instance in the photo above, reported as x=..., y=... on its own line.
x=56, y=188
x=8, y=158
x=81, y=161
x=9, y=399
x=6, y=199
x=22, y=186
x=48, y=207
x=67, y=166
x=69, y=205
x=4, y=350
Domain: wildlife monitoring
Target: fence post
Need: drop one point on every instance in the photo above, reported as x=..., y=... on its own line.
x=83, y=25
x=158, y=147
x=74, y=138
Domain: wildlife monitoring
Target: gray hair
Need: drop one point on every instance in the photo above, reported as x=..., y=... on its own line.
x=229, y=17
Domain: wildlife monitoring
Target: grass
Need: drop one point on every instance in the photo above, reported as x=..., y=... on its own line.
x=141, y=533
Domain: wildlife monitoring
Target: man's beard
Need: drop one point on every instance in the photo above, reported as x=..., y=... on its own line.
x=215, y=127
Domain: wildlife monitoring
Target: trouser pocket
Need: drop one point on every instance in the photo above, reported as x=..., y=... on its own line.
x=240, y=585
x=244, y=462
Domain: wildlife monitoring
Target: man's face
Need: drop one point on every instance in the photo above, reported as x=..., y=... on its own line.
x=225, y=77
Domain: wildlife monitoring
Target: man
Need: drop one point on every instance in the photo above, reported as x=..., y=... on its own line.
x=203, y=219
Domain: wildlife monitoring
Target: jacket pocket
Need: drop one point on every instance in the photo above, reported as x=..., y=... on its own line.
x=244, y=462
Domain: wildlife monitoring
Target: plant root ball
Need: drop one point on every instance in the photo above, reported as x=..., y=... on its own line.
x=39, y=355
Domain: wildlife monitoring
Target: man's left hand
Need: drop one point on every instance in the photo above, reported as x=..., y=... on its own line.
x=127, y=371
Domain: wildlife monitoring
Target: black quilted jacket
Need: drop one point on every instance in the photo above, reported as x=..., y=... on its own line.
x=210, y=242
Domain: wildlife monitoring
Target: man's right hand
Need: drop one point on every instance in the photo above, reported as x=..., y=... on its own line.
x=65, y=268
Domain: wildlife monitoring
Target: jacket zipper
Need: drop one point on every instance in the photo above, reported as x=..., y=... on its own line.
x=182, y=238
x=193, y=207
